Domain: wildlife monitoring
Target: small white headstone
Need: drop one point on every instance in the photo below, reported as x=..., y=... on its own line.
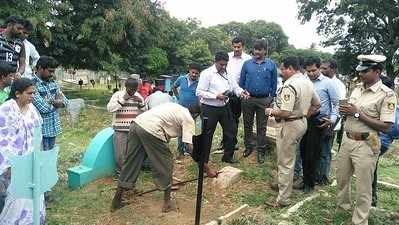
x=74, y=107
x=228, y=176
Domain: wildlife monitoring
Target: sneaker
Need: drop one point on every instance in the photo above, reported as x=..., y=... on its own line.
x=274, y=186
x=261, y=157
x=308, y=189
x=298, y=184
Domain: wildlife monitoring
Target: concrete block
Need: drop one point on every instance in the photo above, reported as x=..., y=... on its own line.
x=228, y=176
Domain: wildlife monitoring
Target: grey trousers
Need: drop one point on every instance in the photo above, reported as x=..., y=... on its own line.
x=120, y=147
x=141, y=143
x=250, y=107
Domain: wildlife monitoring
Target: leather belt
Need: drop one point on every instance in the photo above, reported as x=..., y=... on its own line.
x=260, y=96
x=292, y=119
x=357, y=136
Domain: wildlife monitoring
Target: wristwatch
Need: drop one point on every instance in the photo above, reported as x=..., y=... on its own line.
x=356, y=115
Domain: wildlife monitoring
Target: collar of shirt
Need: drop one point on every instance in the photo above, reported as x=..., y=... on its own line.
x=39, y=80
x=190, y=82
x=215, y=71
x=374, y=88
x=264, y=60
x=294, y=76
x=320, y=77
x=242, y=56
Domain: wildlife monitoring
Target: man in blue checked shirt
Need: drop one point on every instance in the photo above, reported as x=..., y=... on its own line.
x=48, y=99
x=320, y=127
x=259, y=80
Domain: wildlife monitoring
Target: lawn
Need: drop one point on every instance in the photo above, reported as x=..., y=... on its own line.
x=90, y=204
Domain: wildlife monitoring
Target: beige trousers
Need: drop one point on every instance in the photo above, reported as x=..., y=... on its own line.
x=288, y=138
x=355, y=157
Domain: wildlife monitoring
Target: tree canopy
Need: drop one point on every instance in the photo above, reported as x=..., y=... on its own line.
x=136, y=36
x=356, y=27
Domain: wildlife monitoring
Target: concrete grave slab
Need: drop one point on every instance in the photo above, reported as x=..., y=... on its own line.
x=228, y=176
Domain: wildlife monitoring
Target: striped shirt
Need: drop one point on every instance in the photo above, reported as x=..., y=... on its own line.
x=124, y=111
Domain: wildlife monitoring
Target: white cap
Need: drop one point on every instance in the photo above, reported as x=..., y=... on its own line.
x=367, y=61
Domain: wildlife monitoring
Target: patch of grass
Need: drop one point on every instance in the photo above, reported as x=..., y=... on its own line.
x=95, y=96
x=260, y=173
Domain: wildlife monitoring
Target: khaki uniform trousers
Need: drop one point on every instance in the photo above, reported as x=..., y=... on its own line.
x=140, y=143
x=358, y=158
x=288, y=139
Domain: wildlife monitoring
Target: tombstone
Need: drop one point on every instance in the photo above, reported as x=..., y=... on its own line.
x=228, y=176
x=41, y=178
x=98, y=160
x=74, y=107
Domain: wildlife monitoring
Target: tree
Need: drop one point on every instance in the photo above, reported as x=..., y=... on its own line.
x=257, y=29
x=157, y=61
x=216, y=39
x=367, y=26
x=196, y=51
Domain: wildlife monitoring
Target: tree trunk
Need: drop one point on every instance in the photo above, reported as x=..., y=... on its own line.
x=390, y=67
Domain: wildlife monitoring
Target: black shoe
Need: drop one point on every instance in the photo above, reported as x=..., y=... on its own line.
x=261, y=156
x=247, y=152
x=231, y=160
x=307, y=189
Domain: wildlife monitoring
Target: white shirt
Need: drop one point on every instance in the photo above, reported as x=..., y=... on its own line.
x=235, y=65
x=157, y=98
x=341, y=90
x=31, y=58
x=211, y=83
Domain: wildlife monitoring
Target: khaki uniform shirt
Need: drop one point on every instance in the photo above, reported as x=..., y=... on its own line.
x=377, y=101
x=296, y=95
x=167, y=121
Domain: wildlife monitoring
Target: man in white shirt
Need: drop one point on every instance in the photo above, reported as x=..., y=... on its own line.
x=215, y=88
x=157, y=98
x=236, y=59
x=31, y=54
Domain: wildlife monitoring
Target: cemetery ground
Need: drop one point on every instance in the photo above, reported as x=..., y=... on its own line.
x=91, y=204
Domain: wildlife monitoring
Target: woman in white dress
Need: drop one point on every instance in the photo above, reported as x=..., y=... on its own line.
x=18, y=117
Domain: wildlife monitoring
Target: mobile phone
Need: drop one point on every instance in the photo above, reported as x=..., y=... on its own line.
x=343, y=102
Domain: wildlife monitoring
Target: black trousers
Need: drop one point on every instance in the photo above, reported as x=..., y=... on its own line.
x=222, y=115
x=235, y=107
x=250, y=108
x=310, y=147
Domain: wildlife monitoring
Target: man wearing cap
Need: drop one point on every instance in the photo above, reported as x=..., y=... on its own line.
x=125, y=105
x=370, y=110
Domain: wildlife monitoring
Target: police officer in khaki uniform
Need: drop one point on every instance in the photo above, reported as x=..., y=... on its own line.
x=371, y=109
x=293, y=102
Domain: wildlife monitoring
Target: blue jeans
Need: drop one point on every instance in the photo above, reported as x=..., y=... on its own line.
x=375, y=180
x=298, y=164
x=181, y=147
x=325, y=157
x=48, y=143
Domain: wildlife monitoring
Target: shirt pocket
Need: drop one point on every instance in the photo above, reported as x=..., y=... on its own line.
x=370, y=109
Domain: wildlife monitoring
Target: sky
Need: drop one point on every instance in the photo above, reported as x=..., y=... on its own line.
x=283, y=12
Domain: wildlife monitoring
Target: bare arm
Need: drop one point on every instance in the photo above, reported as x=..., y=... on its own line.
x=22, y=63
